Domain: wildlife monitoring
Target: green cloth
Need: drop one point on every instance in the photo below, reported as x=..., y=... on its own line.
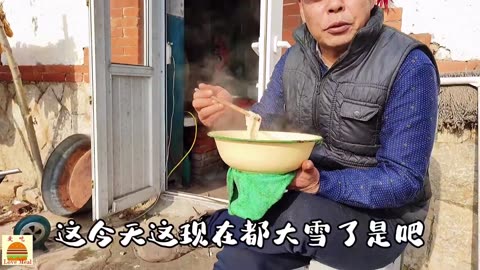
x=252, y=194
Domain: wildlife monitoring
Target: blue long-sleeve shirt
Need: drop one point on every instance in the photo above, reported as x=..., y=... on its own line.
x=406, y=138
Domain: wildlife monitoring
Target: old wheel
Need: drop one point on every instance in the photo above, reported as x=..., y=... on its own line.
x=66, y=182
x=36, y=226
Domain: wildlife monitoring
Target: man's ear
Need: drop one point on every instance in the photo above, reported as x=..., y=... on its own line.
x=300, y=4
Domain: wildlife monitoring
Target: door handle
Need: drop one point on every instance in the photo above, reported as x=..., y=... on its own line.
x=277, y=44
x=255, y=48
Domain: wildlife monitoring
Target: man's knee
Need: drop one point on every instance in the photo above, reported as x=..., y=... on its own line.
x=297, y=207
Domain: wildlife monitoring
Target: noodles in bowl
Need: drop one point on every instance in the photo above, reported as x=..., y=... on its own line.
x=253, y=122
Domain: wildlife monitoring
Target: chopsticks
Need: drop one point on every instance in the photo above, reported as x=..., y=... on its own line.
x=235, y=107
x=231, y=105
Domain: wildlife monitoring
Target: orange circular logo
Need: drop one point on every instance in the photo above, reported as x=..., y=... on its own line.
x=17, y=252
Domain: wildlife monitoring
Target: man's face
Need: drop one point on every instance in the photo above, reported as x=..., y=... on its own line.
x=334, y=23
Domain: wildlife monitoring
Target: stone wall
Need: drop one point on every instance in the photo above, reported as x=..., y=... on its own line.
x=58, y=110
x=451, y=226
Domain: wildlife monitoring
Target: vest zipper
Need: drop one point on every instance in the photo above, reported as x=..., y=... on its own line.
x=314, y=116
x=314, y=62
x=318, y=86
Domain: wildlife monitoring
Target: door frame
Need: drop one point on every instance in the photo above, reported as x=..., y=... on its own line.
x=101, y=71
x=270, y=44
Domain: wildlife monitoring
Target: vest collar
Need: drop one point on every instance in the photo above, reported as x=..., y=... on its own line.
x=361, y=43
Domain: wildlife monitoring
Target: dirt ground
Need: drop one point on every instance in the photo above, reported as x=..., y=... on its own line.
x=5, y=201
x=114, y=256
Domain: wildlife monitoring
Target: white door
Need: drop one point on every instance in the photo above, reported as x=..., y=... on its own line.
x=270, y=44
x=128, y=103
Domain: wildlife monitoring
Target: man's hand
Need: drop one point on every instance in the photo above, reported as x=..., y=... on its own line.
x=307, y=179
x=209, y=111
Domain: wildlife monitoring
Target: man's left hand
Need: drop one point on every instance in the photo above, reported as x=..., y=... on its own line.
x=307, y=179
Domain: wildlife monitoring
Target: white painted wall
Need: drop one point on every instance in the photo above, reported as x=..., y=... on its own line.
x=454, y=24
x=48, y=31
x=55, y=31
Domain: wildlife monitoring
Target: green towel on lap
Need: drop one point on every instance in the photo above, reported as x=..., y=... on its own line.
x=252, y=194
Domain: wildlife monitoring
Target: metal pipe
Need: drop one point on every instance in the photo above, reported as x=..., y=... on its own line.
x=7, y=172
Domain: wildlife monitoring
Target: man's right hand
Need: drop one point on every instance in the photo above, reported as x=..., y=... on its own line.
x=209, y=111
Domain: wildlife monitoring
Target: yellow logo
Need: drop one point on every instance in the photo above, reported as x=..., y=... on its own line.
x=17, y=250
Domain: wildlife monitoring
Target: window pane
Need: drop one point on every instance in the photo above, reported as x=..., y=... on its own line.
x=127, y=25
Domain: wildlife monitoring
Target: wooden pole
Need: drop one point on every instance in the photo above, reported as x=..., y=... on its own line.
x=22, y=102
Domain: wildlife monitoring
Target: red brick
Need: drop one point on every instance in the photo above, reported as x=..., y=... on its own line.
x=116, y=22
x=288, y=35
x=289, y=1
x=117, y=50
x=120, y=59
x=203, y=139
x=133, y=51
x=204, y=145
x=132, y=11
x=447, y=66
x=32, y=69
x=117, y=32
x=58, y=68
x=424, y=38
x=74, y=77
x=124, y=3
x=291, y=21
x=39, y=68
x=80, y=69
x=291, y=9
x=204, y=149
x=131, y=32
x=393, y=14
x=31, y=76
x=473, y=65
x=130, y=22
x=116, y=12
x=396, y=24
x=124, y=42
x=53, y=77
x=86, y=78
x=5, y=76
x=26, y=69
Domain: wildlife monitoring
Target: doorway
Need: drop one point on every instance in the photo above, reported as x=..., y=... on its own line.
x=217, y=44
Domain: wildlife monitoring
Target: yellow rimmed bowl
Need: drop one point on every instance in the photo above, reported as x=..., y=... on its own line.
x=271, y=152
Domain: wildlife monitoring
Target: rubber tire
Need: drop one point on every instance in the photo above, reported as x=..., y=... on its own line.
x=34, y=218
x=53, y=171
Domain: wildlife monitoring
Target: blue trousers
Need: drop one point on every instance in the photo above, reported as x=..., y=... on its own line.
x=298, y=209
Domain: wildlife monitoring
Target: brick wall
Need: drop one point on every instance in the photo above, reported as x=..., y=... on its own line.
x=127, y=48
x=127, y=31
x=291, y=19
x=394, y=18
x=51, y=73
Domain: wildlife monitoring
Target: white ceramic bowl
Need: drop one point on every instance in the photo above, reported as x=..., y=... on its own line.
x=271, y=152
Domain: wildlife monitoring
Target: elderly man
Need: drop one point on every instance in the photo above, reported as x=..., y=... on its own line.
x=371, y=93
